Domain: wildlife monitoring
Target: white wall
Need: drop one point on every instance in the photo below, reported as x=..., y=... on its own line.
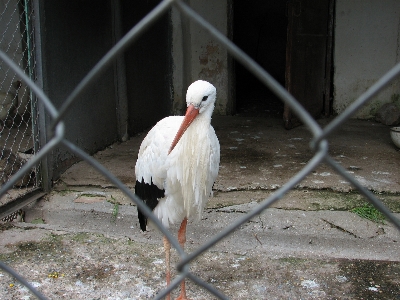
x=206, y=59
x=367, y=45
x=367, y=37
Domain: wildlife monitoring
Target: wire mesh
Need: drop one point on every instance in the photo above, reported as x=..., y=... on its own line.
x=319, y=144
x=18, y=119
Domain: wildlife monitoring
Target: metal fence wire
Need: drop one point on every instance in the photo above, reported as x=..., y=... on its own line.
x=18, y=118
x=319, y=143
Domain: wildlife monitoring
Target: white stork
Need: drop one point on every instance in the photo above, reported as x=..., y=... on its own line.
x=177, y=165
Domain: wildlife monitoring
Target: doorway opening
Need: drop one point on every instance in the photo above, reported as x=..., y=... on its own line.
x=260, y=29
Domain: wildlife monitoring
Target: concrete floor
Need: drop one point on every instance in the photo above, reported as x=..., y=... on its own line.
x=307, y=246
x=258, y=153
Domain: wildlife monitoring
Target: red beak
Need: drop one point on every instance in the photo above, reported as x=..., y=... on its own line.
x=191, y=114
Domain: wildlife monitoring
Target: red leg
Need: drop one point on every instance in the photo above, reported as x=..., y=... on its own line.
x=182, y=240
x=167, y=248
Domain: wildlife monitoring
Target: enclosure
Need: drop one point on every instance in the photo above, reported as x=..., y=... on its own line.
x=111, y=69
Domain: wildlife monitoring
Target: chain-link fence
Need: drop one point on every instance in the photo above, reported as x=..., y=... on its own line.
x=319, y=143
x=18, y=117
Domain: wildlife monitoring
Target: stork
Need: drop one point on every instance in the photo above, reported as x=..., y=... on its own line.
x=177, y=165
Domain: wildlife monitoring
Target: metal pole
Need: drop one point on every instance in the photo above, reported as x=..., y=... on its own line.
x=120, y=75
x=37, y=107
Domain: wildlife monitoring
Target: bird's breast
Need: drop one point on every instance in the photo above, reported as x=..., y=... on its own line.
x=191, y=169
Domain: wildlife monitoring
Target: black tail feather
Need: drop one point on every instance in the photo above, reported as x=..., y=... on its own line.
x=149, y=193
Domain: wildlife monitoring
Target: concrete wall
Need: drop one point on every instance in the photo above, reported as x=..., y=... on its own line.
x=75, y=36
x=196, y=55
x=367, y=36
x=367, y=44
x=10, y=40
x=12, y=43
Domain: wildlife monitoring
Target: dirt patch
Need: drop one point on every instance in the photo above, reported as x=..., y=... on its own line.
x=82, y=266
x=372, y=279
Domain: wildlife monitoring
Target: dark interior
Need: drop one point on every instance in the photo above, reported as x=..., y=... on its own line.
x=260, y=29
x=148, y=71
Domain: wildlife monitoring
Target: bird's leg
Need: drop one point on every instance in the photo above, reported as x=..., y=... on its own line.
x=182, y=240
x=167, y=248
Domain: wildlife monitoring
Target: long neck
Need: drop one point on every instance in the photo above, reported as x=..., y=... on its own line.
x=195, y=161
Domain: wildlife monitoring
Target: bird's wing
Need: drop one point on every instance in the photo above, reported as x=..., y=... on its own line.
x=151, y=164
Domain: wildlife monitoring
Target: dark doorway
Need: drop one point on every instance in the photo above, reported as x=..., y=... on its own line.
x=260, y=29
x=309, y=57
x=292, y=40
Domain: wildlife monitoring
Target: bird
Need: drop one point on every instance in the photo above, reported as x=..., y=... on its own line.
x=177, y=165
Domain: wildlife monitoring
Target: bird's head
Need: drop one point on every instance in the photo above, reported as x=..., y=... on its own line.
x=200, y=99
x=201, y=94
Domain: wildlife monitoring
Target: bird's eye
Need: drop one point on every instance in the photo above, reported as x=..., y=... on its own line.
x=204, y=98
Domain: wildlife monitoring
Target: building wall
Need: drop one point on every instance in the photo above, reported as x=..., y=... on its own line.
x=196, y=55
x=367, y=37
x=10, y=40
x=75, y=36
x=11, y=43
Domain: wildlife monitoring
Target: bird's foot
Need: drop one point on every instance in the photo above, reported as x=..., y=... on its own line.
x=182, y=298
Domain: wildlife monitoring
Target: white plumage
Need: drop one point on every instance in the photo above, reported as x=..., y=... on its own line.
x=178, y=163
x=186, y=174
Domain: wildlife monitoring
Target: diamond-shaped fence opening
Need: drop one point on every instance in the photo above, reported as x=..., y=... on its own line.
x=20, y=69
x=18, y=116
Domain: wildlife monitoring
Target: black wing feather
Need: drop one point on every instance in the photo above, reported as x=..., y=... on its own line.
x=149, y=193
